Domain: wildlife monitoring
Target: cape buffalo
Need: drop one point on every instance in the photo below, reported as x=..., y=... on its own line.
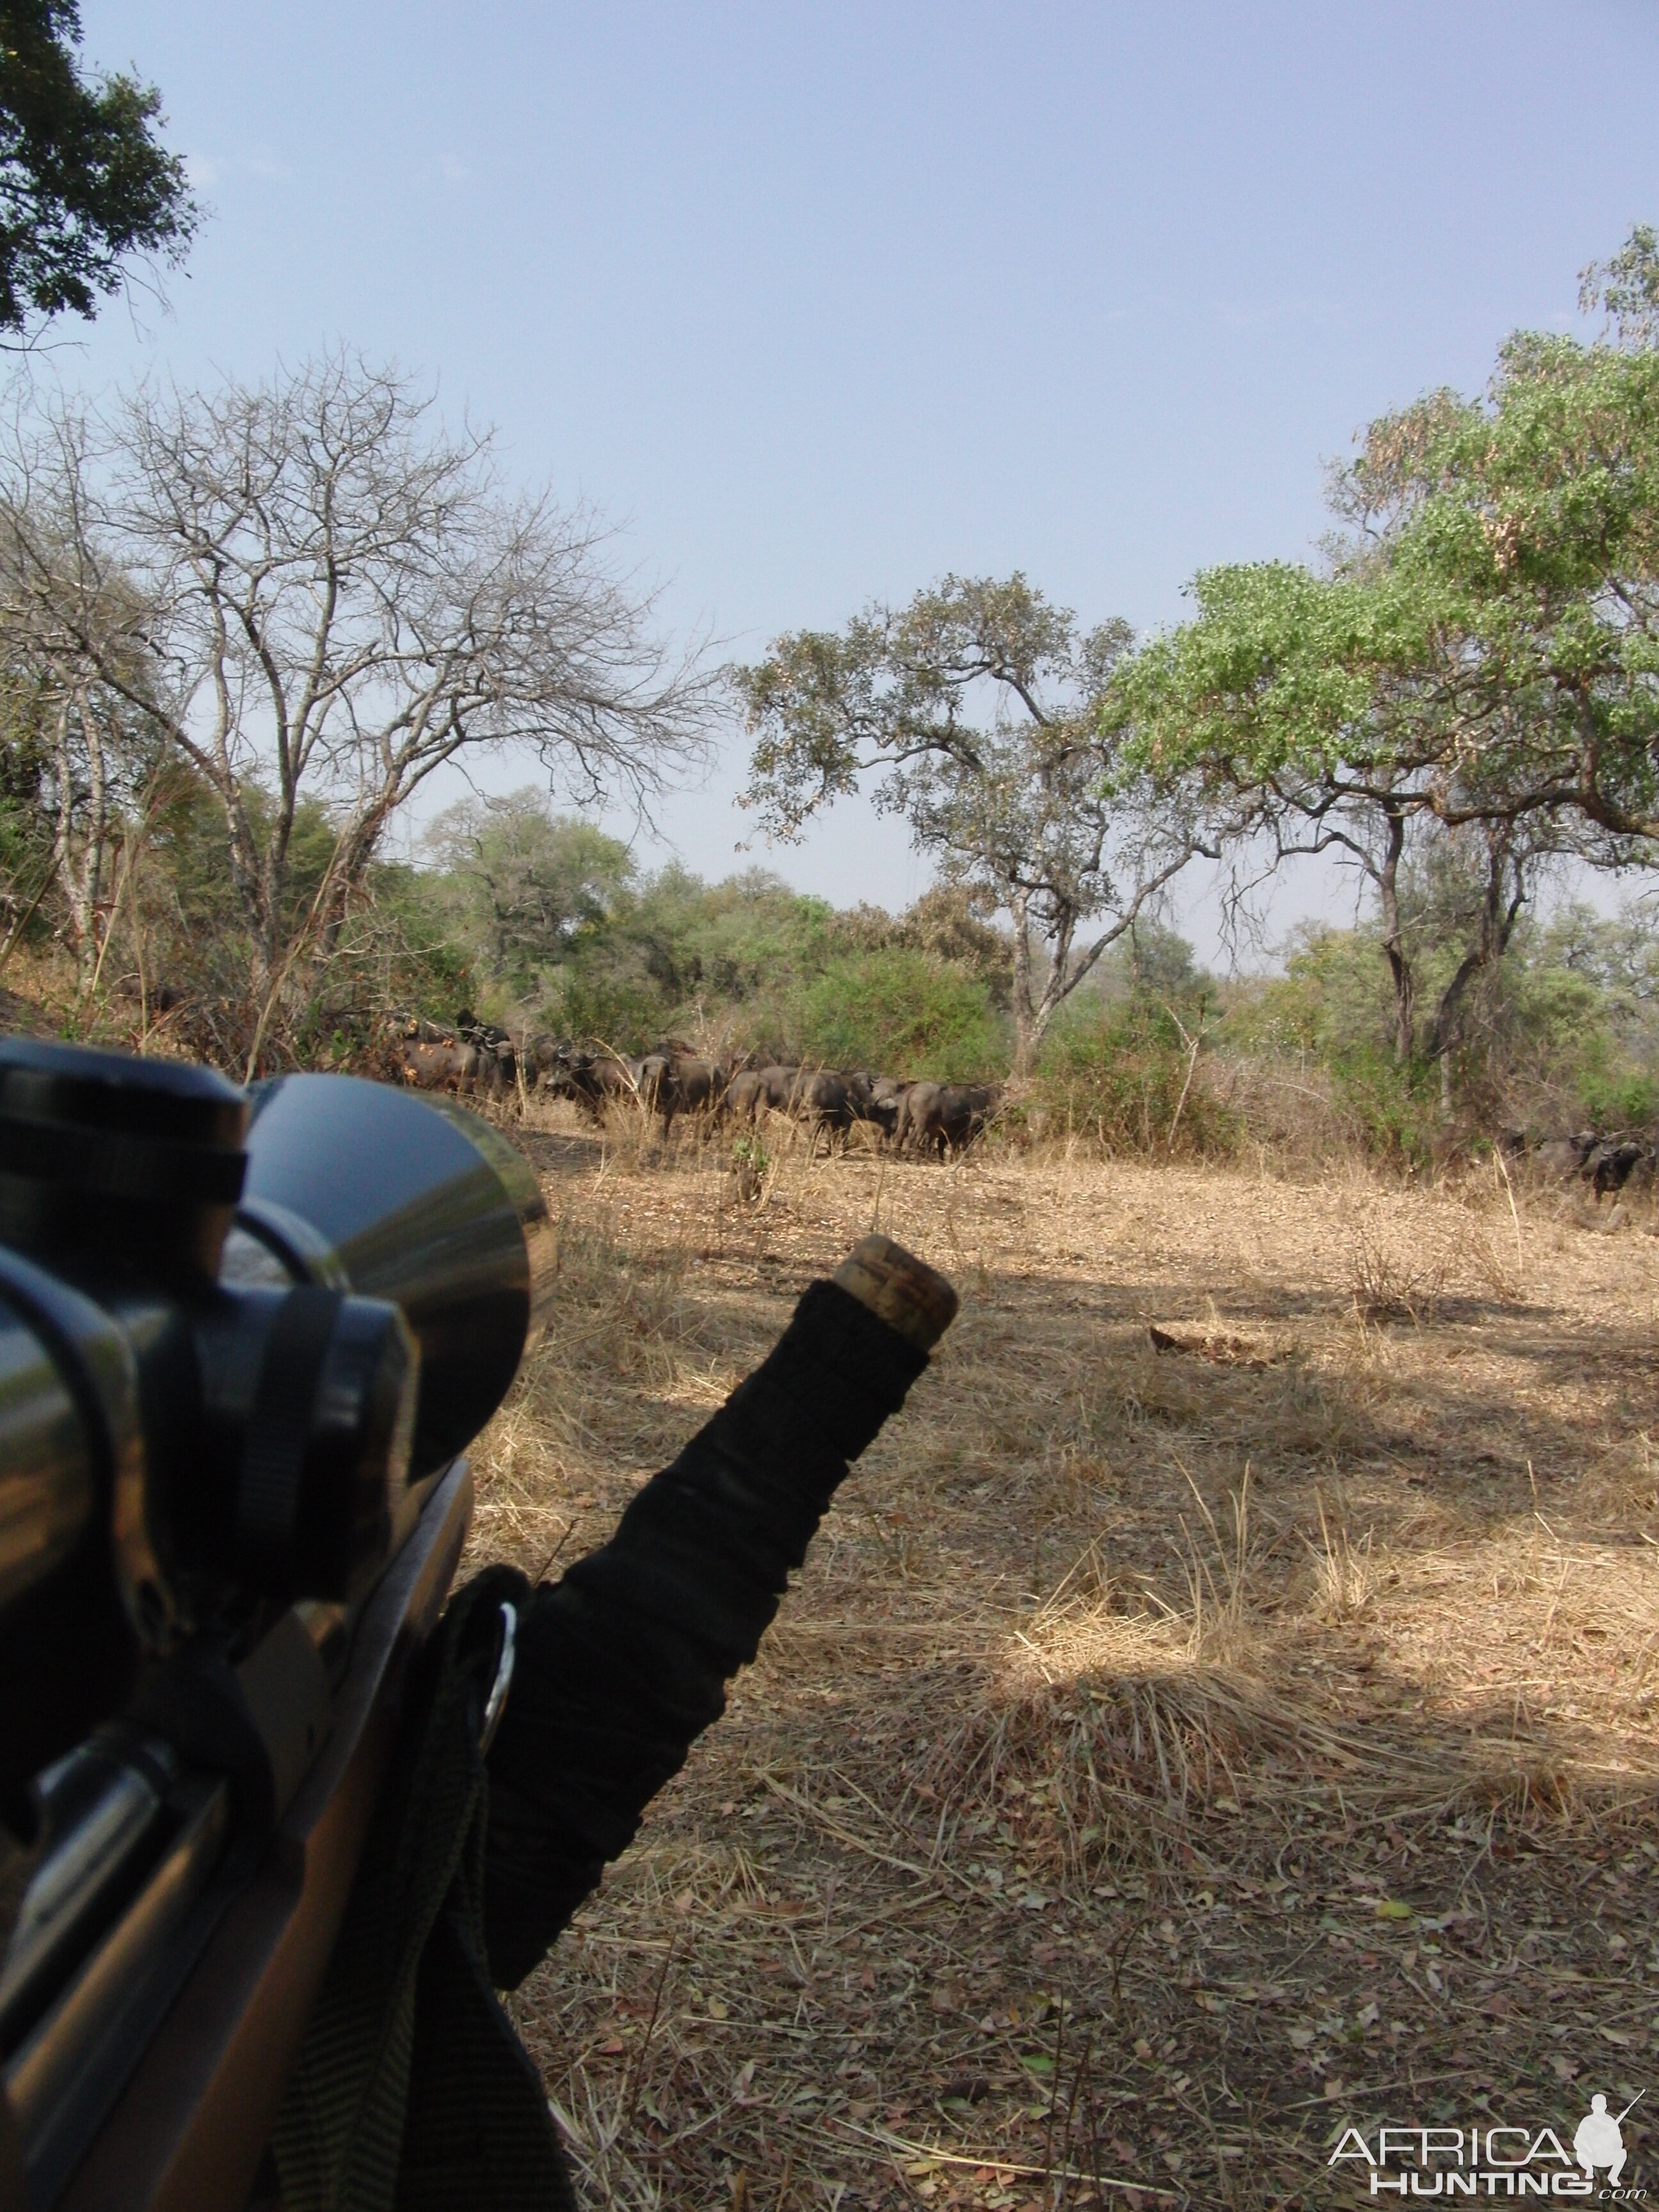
x=538, y=1056
x=831, y=1101
x=1607, y=1163
x=431, y=1066
x=887, y=1103
x=745, y=1096
x=1565, y=1156
x=780, y=1084
x=1610, y=1166
x=673, y=1080
x=494, y=1044
x=592, y=1079
x=945, y=1117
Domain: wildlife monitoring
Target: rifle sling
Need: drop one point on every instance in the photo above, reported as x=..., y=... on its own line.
x=412, y=2092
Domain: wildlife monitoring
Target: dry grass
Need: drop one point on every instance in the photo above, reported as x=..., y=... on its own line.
x=1220, y=1707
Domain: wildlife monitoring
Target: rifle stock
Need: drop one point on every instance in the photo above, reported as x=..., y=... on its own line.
x=187, y=2132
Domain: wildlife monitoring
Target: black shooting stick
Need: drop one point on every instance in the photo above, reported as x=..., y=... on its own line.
x=624, y=1662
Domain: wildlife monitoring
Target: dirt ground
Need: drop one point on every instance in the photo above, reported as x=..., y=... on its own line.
x=1217, y=1713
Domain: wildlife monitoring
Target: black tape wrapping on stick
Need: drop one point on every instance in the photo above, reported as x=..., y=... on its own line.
x=623, y=1663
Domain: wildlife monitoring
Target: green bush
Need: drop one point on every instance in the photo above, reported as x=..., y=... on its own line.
x=1627, y=1100
x=1334, y=997
x=620, y=1012
x=1583, y=1028
x=1396, y=1106
x=1118, y=1075
x=901, y=1012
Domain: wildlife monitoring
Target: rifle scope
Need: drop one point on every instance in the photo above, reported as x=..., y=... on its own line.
x=242, y=1333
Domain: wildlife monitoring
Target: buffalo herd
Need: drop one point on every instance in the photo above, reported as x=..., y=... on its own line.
x=936, y=1120
x=671, y=1079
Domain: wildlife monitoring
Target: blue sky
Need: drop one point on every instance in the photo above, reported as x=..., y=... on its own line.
x=820, y=303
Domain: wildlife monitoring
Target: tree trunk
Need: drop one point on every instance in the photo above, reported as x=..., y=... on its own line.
x=63, y=840
x=1027, y=1035
x=1057, y=989
x=1497, y=921
x=91, y=848
x=1394, y=942
x=78, y=844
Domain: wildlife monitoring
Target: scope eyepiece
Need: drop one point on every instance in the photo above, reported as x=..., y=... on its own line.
x=128, y=1161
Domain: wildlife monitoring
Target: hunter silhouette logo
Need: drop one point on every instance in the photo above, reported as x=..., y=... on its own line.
x=1599, y=2141
x=1490, y=2160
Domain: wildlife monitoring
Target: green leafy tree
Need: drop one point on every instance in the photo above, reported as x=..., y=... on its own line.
x=1155, y=961
x=724, y=961
x=953, y=923
x=1617, y=954
x=1626, y=288
x=84, y=182
x=1482, y=655
x=530, y=884
x=974, y=712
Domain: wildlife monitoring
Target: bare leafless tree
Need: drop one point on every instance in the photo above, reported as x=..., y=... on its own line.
x=67, y=615
x=310, y=589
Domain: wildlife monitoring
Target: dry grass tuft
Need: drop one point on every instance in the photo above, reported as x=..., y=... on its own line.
x=1391, y=1280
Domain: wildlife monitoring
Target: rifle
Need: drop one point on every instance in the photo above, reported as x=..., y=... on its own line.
x=245, y=1341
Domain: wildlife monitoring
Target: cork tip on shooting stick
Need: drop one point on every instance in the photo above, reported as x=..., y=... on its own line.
x=899, y=1289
